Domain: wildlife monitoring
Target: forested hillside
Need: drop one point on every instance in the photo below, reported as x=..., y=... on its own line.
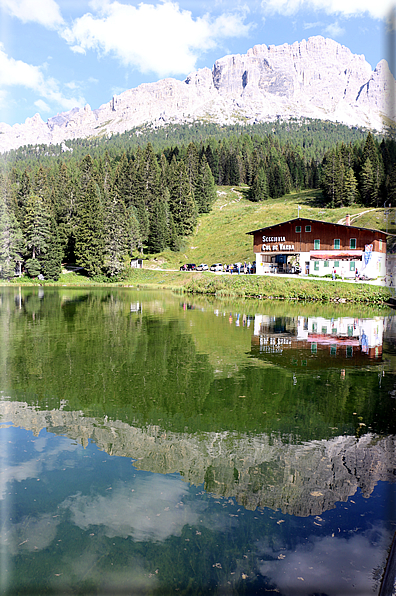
x=99, y=207
x=315, y=137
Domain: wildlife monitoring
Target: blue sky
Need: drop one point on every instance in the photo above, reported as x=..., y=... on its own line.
x=59, y=54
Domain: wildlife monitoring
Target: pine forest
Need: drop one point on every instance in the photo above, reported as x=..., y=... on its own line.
x=98, y=204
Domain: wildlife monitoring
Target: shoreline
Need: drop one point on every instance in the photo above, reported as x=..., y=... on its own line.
x=234, y=286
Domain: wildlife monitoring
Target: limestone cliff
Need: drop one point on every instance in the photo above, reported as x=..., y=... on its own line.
x=317, y=78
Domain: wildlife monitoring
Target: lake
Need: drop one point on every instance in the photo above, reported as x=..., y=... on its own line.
x=158, y=444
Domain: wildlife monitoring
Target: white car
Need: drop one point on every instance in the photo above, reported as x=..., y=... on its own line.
x=216, y=267
x=202, y=267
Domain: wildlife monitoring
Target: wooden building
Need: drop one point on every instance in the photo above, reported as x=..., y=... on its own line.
x=316, y=247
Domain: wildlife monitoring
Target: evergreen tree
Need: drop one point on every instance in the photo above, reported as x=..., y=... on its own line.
x=40, y=184
x=181, y=201
x=11, y=242
x=367, y=183
x=89, y=230
x=65, y=208
x=37, y=227
x=259, y=188
x=372, y=153
x=23, y=192
x=192, y=162
x=350, y=187
x=205, y=192
x=158, y=227
x=136, y=196
x=134, y=235
x=51, y=259
x=115, y=236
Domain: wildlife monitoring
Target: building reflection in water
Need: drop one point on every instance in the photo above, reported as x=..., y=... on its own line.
x=317, y=342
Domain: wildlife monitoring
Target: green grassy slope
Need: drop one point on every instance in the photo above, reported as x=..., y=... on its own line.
x=221, y=236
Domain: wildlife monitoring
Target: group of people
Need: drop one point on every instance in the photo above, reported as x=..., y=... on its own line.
x=238, y=268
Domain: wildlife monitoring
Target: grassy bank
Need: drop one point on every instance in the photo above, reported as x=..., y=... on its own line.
x=239, y=286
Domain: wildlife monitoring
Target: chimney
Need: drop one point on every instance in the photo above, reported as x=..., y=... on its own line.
x=348, y=220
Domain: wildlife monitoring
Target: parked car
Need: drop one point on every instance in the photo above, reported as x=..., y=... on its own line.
x=216, y=267
x=202, y=267
x=188, y=267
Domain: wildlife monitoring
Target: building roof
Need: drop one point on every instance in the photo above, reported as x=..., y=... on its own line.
x=310, y=220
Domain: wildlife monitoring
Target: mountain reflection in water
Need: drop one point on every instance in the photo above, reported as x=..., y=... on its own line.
x=252, y=443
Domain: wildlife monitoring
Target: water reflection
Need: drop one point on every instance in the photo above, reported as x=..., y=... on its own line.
x=317, y=342
x=258, y=471
x=252, y=445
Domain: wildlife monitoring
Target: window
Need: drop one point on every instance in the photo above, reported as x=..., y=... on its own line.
x=336, y=243
x=298, y=229
x=314, y=327
x=317, y=244
x=350, y=331
x=324, y=330
x=333, y=350
x=314, y=348
x=326, y=263
x=380, y=245
x=352, y=243
x=352, y=266
x=334, y=330
x=316, y=265
x=349, y=351
x=336, y=263
x=307, y=228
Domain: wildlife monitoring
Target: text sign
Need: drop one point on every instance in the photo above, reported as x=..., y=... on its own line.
x=277, y=247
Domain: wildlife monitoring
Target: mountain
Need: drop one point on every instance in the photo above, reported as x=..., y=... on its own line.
x=318, y=78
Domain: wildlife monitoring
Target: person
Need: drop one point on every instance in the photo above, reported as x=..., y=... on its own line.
x=334, y=274
x=356, y=274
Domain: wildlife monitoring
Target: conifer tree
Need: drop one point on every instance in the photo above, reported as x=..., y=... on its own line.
x=158, y=227
x=181, y=201
x=23, y=192
x=134, y=235
x=65, y=209
x=205, y=192
x=51, y=259
x=192, y=162
x=350, y=187
x=259, y=188
x=11, y=242
x=89, y=230
x=37, y=226
x=371, y=152
x=115, y=234
x=367, y=183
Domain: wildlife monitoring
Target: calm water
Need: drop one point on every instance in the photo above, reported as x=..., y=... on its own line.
x=154, y=444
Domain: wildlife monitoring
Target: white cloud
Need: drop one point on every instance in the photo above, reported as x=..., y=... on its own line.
x=329, y=565
x=30, y=534
x=18, y=473
x=313, y=25
x=152, y=511
x=78, y=50
x=42, y=106
x=334, y=30
x=16, y=72
x=159, y=38
x=379, y=9
x=44, y=12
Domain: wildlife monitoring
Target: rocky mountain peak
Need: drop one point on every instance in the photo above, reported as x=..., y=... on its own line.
x=314, y=78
